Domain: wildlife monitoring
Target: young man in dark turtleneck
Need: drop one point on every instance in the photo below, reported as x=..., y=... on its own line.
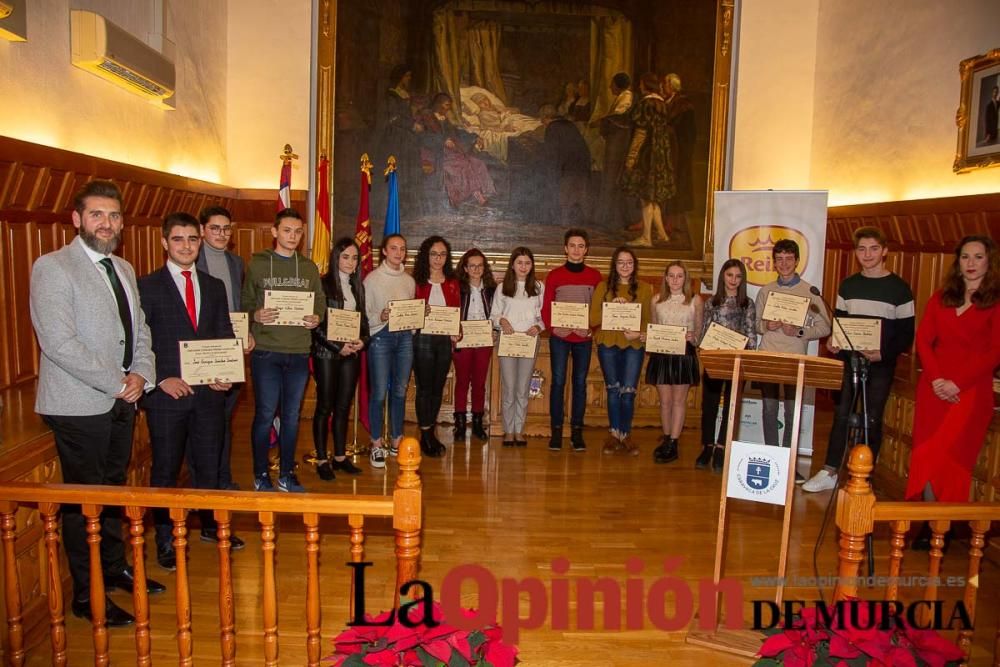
x=573, y=282
x=216, y=260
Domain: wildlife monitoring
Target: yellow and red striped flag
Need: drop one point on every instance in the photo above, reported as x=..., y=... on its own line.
x=321, y=232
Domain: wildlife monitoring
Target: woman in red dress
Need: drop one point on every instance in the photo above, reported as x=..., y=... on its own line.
x=958, y=341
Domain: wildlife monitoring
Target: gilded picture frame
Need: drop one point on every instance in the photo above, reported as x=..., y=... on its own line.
x=978, y=112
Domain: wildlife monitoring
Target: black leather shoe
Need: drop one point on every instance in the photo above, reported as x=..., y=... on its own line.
x=167, y=558
x=115, y=616
x=718, y=459
x=576, y=439
x=325, y=471
x=345, y=466
x=669, y=452
x=428, y=444
x=705, y=458
x=555, y=440
x=478, y=430
x=125, y=580
x=235, y=543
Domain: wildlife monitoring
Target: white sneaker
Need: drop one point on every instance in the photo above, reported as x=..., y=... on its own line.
x=824, y=480
x=377, y=457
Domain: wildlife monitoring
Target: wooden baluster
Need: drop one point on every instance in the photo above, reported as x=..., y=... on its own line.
x=182, y=592
x=976, y=544
x=897, y=544
x=227, y=607
x=57, y=621
x=406, y=515
x=92, y=514
x=11, y=584
x=938, y=529
x=270, y=591
x=357, y=524
x=855, y=519
x=140, y=596
x=311, y=521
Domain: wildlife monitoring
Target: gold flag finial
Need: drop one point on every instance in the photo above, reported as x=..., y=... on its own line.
x=390, y=165
x=287, y=155
x=366, y=167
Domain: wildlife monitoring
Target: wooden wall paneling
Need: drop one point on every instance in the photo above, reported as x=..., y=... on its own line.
x=23, y=189
x=19, y=250
x=6, y=306
x=53, y=194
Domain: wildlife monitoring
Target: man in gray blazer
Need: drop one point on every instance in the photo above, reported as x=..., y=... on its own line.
x=96, y=362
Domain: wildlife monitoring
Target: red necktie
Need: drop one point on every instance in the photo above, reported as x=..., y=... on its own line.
x=189, y=299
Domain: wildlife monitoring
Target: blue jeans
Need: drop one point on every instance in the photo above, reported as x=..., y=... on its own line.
x=279, y=381
x=390, y=358
x=621, y=377
x=559, y=352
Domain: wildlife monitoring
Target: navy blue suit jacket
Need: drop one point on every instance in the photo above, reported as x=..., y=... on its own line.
x=169, y=324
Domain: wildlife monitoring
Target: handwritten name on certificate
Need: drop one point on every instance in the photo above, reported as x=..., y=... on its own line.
x=719, y=337
x=864, y=332
x=570, y=315
x=291, y=306
x=211, y=361
x=517, y=345
x=343, y=326
x=406, y=314
x=241, y=327
x=442, y=321
x=476, y=333
x=787, y=308
x=621, y=316
x=666, y=339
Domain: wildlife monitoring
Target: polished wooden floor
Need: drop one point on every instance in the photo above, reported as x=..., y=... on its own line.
x=513, y=511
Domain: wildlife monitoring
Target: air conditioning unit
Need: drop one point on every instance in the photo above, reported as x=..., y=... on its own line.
x=103, y=48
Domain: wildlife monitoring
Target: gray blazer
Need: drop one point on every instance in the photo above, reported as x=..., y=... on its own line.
x=80, y=333
x=235, y=263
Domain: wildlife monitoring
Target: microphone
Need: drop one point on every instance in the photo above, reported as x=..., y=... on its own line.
x=836, y=322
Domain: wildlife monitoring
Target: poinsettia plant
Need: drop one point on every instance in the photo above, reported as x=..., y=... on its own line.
x=854, y=640
x=443, y=645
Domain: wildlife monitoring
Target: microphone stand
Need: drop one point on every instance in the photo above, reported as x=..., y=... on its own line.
x=860, y=367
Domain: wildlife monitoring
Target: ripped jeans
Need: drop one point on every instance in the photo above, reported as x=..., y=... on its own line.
x=621, y=368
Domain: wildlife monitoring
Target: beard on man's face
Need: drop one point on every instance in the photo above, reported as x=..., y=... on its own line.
x=103, y=246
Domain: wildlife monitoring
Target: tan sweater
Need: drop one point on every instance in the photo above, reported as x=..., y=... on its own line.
x=817, y=323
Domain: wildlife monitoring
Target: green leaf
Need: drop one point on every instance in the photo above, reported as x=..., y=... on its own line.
x=767, y=662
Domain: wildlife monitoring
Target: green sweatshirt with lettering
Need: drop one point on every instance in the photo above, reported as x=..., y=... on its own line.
x=270, y=271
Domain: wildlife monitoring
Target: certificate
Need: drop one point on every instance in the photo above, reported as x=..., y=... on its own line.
x=406, y=314
x=517, y=345
x=570, y=315
x=291, y=306
x=621, y=316
x=476, y=333
x=343, y=326
x=241, y=327
x=209, y=361
x=719, y=337
x=666, y=339
x=864, y=332
x=442, y=321
x=786, y=308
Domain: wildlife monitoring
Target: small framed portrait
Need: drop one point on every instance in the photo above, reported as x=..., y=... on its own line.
x=978, y=113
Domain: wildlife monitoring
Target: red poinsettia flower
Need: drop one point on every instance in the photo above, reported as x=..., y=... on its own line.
x=932, y=648
x=500, y=654
x=791, y=646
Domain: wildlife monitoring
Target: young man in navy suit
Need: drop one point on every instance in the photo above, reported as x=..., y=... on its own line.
x=182, y=303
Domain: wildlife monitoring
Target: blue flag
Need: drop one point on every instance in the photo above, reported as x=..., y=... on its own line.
x=392, y=210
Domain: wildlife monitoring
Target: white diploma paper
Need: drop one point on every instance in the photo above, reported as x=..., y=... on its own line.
x=291, y=306
x=442, y=321
x=476, y=333
x=570, y=315
x=343, y=326
x=213, y=360
x=666, y=339
x=241, y=327
x=864, y=332
x=719, y=337
x=786, y=308
x=406, y=315
x=621, y=316
x=517, y=345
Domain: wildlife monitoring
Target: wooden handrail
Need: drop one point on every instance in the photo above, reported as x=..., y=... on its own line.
x=405, y=508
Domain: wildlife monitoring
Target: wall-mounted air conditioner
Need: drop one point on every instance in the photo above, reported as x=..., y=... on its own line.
x=102, y=48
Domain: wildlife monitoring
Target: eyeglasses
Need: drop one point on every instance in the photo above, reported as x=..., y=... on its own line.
x=439, y=254
x=217, y=229
x=625, y=263
x=477, y=267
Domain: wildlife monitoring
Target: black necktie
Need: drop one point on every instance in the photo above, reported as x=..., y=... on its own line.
x=123, y=310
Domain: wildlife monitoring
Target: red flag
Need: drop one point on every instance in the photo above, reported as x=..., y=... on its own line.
x=285, y=186
x=363, y=237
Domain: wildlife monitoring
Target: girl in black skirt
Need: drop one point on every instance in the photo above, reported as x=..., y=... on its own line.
x=673, y=374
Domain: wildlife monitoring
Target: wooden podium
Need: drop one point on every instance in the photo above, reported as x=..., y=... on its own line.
x=740, y=366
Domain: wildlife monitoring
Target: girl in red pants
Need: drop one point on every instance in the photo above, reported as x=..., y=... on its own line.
x=472, y=364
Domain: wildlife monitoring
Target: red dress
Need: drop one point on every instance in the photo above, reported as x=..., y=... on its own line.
x=947, y=437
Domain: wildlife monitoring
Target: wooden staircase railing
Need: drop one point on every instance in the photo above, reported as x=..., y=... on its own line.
x=404, y=507
x=858, y=512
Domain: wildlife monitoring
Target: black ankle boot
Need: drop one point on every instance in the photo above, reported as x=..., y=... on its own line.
x=718, y=458
x=428, y=445
x=661, y=444
x=669, y=452
x=705, y=458
x=576, y=439
x=460, y=426
x=478, y=431
x=555, y=440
